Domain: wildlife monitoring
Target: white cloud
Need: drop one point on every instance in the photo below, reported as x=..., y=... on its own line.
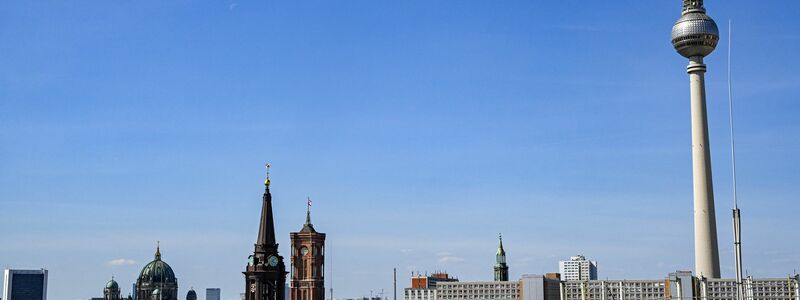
x=450, y=259
x=121, y=262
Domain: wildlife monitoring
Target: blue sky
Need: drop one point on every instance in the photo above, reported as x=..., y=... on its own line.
x=421, y=129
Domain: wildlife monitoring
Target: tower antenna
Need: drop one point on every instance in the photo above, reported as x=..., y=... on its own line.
x=737, y=228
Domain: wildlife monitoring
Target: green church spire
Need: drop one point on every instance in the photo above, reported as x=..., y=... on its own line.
x=500, y=267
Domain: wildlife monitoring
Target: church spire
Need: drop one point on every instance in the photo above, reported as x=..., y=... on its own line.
x=308, y=227
x=500, y=267
x=266, y=228
x=158, y=250
x=308, y=211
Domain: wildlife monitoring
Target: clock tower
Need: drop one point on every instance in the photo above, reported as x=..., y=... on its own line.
x=265, y=275
x=308, y=262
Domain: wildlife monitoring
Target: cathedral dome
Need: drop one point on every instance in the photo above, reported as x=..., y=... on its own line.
x=112, y=284
x=157, y=271
x=191, y=295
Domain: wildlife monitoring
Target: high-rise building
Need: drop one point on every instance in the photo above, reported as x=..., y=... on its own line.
x=265, y=274
x=694, y=36
x=500, y=266
x=308, y=262
x=25, y=284
x=577, y=268
x=213, y=293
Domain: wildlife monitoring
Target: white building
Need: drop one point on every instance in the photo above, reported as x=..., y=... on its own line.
x=25, y=284
x=478, y=290
x=577, y=268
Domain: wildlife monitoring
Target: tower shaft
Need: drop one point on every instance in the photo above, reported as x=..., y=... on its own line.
x=706, y=252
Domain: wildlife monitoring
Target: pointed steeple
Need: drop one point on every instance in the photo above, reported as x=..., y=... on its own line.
x=308, y=227
x=500, y=267
x=266, y=228
x=500, y=250
x=158, y=250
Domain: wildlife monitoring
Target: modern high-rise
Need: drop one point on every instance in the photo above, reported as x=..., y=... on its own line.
x=213, y=293
x=577, y=268
x=25, y=284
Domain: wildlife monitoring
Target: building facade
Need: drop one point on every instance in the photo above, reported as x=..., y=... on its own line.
x=308, y=262
x=577, y=268
x=478, y=290
x=538, y=287
x=24, y=284
x=213, y=293
x=423, y=287
x=265, y=273
x=682, y=285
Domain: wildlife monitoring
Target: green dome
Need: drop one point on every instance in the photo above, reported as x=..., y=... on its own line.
x=112, y=284
x=156, y=292
x=157, y=271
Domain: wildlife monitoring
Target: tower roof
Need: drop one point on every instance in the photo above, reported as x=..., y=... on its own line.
x=500, y=250
x=112, y=284
x=266, y=228
x=308, y=227
x=157, y=270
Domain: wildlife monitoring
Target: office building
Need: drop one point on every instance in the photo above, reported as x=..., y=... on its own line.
x=538, y=287
x=213, y=294
x=423, y=287
x=25, y=284
x=577, y=268
x=478, y=290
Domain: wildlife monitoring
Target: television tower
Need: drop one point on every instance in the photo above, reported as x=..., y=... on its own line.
x=694, y=36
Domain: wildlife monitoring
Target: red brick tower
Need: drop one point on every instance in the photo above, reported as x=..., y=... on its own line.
x=308, y=262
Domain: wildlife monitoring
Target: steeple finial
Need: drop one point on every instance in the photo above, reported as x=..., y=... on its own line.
x=500, y=250
x=158, y=250
x=266, y=181
x=308, y=211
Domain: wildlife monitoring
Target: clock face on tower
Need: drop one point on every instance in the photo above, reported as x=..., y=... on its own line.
x=303, y=251
x=272, y=260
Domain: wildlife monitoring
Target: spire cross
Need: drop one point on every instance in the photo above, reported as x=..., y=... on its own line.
x=266, y=182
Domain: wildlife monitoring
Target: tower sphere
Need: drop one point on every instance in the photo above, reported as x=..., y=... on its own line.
x=695, y=34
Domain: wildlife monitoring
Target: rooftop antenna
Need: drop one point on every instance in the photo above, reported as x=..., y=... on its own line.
x=737, y=227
